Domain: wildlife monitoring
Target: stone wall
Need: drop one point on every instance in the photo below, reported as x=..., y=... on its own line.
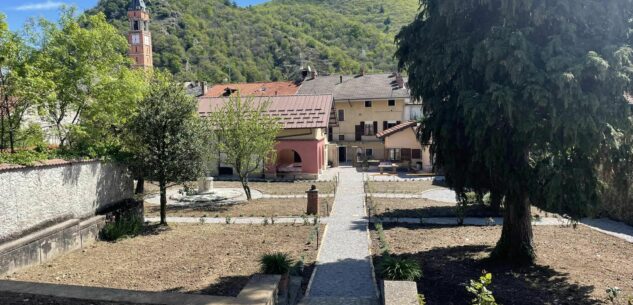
x=35, y=196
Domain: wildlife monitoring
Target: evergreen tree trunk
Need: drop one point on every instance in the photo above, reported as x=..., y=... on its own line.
x=515, y=244
x=495, y=201
x=140, y=186
x=163, y=202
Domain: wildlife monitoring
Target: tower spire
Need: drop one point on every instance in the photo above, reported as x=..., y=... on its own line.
x=139, y=36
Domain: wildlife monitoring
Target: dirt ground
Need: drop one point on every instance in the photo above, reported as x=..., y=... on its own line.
x=30, y=299
x=574, y=266
x=403, y=187
x=414, y=208
x=253, y=208
x=280, y=188
x=205, y=259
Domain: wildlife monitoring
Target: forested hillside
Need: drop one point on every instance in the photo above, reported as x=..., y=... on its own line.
x=205, y=39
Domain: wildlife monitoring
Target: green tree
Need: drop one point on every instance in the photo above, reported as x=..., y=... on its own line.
x=244, y=136
x=87, y=59
x=527, y=92
x=21, y=85
x=165, y=134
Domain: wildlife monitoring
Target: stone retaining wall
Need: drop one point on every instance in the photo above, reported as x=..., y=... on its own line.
x=36, y=196
x=48, y=243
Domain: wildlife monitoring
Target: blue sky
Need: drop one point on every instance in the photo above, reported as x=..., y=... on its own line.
x=18, y=11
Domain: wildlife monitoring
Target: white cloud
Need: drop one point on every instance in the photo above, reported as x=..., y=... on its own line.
x=48, y=5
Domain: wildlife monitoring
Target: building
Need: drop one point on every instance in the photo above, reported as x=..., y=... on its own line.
x=302, y=145
x=139, y=35
x=403, y=147
x=254, y=89
x=365, y=105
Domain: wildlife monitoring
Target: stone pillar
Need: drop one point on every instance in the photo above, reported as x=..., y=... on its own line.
x=313, y=201
x=205, y=185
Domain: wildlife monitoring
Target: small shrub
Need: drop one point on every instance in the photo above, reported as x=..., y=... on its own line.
x=479, y=288
x=276, y=263
x=396, y=269
x=421, y=299
x=125, y=226
x=265, y=221
x=227, y=220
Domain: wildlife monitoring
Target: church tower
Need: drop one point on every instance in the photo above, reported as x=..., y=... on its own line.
x=139, y=36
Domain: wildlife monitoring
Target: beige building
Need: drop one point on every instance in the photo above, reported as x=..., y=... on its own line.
x=365, y=105
x=403, y=147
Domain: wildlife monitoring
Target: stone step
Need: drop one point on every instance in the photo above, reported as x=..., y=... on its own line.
x=338, y=301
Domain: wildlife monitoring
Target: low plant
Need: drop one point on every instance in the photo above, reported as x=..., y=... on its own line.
x=400, y=269
x=202, y=220
x=265, y=221
x=227, y=220
x=614, y=296
x=124, y=226
x=479, y=288
x=421, y=299
x=276, y=263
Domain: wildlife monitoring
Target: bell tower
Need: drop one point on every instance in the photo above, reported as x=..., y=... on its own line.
x=139, y=36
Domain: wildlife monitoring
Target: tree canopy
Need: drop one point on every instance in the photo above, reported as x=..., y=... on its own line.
x=523, y=97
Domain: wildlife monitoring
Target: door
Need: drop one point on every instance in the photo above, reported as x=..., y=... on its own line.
x=342, y=154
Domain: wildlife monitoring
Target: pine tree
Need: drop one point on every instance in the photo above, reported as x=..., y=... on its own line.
x=520, y=97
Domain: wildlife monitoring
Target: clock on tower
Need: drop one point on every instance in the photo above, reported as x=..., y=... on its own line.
x=139, y=36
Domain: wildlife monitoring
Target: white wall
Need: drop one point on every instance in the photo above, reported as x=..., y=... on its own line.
x=32, y=196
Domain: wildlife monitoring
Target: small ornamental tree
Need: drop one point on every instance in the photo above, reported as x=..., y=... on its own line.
x=522, y=98
x=169, y=146
x=244, y=135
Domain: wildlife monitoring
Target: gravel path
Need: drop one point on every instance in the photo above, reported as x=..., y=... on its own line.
x=344, y=268
x=239, y=220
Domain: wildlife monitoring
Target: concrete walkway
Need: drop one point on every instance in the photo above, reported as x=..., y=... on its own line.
x=344, y=268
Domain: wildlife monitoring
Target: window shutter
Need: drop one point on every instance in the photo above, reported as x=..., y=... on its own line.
x=406, y=154
x=362, y=127
x=375, y=127
x=358, y=132
x=384, y=125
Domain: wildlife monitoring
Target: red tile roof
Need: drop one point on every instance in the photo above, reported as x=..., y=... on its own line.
x=255, y=89
x=294, y=111
x=396, y=128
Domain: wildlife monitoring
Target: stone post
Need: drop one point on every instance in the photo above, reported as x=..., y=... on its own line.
x=205, y=185
x=313, y=201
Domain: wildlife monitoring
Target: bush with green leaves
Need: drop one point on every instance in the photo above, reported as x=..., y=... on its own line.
x=479, y=288
x=122, y=227
x=397, y=269
x=276, y=263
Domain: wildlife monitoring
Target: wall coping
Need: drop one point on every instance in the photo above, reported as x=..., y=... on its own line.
x=5, y=167
x=29, y=238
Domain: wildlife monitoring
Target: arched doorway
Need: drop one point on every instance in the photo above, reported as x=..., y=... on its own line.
x=288, y=163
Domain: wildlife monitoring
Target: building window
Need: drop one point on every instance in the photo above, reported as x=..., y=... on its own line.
x=394, y=154
x=391, y=124
x=136, y=25
x=416, y=154
x=392, y=103
x=369, y=129
x=341, y=137
x=341, y=115
x=368, y=104
x=369, y=152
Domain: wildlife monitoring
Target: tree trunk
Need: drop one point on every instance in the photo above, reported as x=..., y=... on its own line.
x=247, y=189
x=515, y=244
x=163, y=202
x=495, y=201
x=140, y=186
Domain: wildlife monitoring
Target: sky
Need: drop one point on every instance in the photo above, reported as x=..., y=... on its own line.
x=19, y=11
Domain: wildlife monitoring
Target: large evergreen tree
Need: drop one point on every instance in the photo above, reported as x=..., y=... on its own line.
x=522, y=96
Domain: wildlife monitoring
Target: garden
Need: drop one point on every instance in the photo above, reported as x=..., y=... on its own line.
x=201, y=259
x=574, y=265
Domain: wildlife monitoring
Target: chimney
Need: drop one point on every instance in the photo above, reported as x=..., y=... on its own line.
x=314, y=74
x=400, y=81
x=341, y=79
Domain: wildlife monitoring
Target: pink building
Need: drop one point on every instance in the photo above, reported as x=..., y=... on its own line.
x=302, y=144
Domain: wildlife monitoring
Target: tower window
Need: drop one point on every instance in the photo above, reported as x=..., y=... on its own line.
x=136, y=25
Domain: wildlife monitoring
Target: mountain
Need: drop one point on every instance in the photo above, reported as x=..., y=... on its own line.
x=205, y=39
